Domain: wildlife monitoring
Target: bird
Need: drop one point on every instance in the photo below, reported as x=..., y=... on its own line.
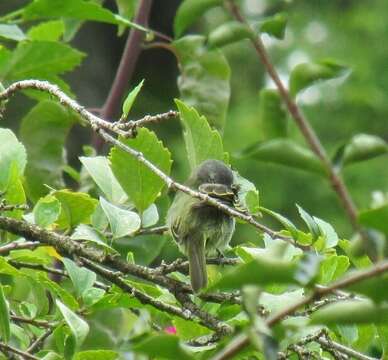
x=201, y=229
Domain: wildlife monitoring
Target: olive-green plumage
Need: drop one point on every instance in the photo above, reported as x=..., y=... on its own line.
x=200, y=229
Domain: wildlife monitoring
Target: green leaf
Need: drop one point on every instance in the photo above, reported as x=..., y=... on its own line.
x=11, y=32
x=130, y=99
x=82, y=278
x=330, y=237
x=76, y=208
x=284, y=152
x=187, y=330
x=141, y=184
x=275, y=25
x=229, y=33
x=164, y=347
x=122, y=222
x=85, y=232
x=14, y=191
x=56, y=290
x=39, y=60
x=248, y=195
x=43, y=131
x=204, y=79
x=375, y=218
x=189, y=11
x=201, y=141
x=306, y=74
x=5, y=331
x=46, y=211
x=260, y=271
x=272, y=116
x=78, y=327
x=360, y=148
x=289, y=226
x=47, y=31
x=99, y=169
x=310, y=222
x=332, y=268
x=96, y=355
x=351, y=312
x=150, y=216
x=75, y=9
x=11, y=151
x=127, y=10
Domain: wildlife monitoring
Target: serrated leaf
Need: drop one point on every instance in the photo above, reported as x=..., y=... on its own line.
x=141, y=184
x=122, y=222
x=360, y=148
x=46, y=211
x=47, y=31
x=307, y=74
x=11, y=32
x=375, y=218
x=5, y=331
x=272, y=116
x=11, y=152
x=163, y=346
x=82, y=278
x=189, y=11
x=201, y=141
x=78, y=327
x=40, y=59
x=284, y=152
x=74, y=9
x=99, y=169
x=43, y=131
x=96, y=355
x=275, y=25
x=130, y=99
x=229, y=33
x=76, y=208
x=351, y=312
x=204, y=79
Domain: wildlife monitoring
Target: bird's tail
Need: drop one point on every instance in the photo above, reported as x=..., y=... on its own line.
x=197, y=264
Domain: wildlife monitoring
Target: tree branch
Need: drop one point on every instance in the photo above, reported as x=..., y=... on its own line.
x=242, y=341
x=304, y=126
x=100, y=125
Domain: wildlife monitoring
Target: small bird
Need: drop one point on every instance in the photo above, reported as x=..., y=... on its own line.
x=201, y=229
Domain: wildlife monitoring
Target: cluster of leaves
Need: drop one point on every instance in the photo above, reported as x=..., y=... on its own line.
x=116, y=198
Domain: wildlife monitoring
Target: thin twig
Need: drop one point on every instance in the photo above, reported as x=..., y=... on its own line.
x=25, y=355
x=159, y=230
x=31, y=245
x=38, y=343
x=37, y=323
x=304, y=126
